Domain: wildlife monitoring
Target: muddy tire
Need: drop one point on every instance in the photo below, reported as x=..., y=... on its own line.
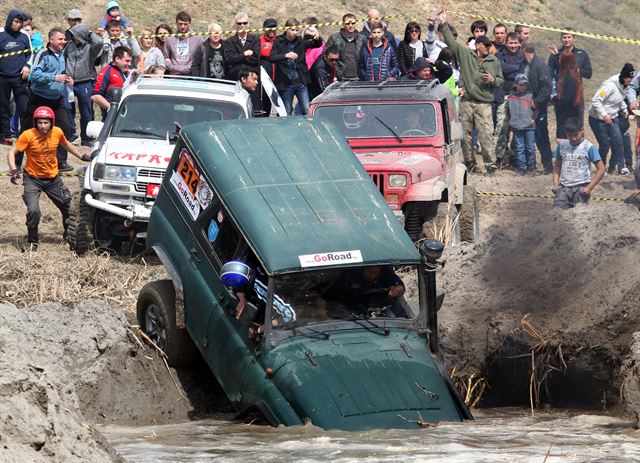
x=413, y=219
x=469, y=218
x=156, y=311
x=443, y=226
x=79, y=225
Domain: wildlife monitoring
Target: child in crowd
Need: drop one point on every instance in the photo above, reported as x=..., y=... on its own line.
x=522, y=123
x=113, y=14
x=572, y=180
x=378, y=59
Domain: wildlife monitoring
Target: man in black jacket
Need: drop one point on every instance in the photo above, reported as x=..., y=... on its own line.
x=540, y=86
x=324, y=71
x=292, y=74
x=242, y=51
x=582, y=58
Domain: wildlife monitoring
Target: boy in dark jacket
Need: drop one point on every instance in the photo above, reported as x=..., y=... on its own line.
x=378, y=59
x=14, y=71
x=522, y=123
x=292, y=73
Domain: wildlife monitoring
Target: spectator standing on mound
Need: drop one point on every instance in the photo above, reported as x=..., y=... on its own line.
x=179, y=51
x=113, y=38
x=50, y=87
x=606, y=114
x=378, y=59
x=349, y=43
x=324, y=71
x=208, y=60
x=14, y=71
x=569, y=101
x=481, y=74
x=568, y=45
x=540, y=84
x=411, y=47
x=41, y=174
x=113, y=13
x=80, y=54
x=292, y=74
x=522, y=123
x=572, y=180
x=374, y=16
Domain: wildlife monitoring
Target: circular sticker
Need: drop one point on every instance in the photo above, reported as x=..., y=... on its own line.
x=220, y=216
x=204, y=194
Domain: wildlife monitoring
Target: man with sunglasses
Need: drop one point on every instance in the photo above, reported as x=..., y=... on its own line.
x=349, y=43
x=242, y=50
x=324, y=71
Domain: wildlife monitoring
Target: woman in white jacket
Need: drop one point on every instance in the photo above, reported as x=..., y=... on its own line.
x=608, y=108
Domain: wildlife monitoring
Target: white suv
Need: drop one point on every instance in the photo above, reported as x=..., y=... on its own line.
x=133, y=147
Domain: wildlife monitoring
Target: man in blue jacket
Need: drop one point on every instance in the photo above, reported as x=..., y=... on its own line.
x=14, y=71
x=50, y=85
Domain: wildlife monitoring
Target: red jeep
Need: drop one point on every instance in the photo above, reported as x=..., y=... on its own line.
x=407, y=136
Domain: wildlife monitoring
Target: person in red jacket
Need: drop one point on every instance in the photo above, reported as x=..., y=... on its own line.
x=112, y=75
x=266, y=44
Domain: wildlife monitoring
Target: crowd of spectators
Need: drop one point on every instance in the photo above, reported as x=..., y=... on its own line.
x=502, y=85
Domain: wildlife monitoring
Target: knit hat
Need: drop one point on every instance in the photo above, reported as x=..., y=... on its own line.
x=269, y=22
x=627, y=71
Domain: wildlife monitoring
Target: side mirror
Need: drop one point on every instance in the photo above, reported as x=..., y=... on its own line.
x=115, y=93
x=431, y=250
x=94, y=128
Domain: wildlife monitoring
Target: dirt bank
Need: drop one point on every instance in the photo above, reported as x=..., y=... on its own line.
x=556, y=288
x=64, y=370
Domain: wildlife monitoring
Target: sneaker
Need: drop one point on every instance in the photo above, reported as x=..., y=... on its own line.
x=471, y=167
x=624, y=171
x=522, y=172
x=611, y=170
x=547, y=170
x=64, y=167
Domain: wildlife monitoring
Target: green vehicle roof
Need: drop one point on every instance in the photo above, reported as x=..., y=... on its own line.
x=295, y=188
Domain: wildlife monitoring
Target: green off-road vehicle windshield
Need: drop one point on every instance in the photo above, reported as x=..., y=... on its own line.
x=372, y=294
x=152, y=116
x=381, y=120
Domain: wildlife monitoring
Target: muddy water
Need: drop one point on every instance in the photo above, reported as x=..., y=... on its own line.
x=497, y=435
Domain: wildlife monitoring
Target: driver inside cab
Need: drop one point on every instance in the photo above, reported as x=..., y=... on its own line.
x=363, y=290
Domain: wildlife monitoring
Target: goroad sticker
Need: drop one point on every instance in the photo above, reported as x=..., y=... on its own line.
x=330, y=258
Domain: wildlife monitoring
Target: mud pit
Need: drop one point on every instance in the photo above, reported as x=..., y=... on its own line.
x=66, y=369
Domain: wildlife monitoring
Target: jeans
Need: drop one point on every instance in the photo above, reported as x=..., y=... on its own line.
x=525, y=141
x=300, y=91
x=609, y=136
x=82, y=91
x=542, y=139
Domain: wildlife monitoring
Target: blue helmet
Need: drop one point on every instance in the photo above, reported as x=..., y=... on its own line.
x=237, y=275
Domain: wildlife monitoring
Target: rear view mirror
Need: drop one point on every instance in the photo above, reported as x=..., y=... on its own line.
x=94, y=128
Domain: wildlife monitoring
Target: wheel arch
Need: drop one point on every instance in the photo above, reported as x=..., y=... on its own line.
x=177, y=284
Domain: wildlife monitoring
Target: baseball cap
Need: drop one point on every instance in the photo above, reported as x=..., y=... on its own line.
x=521, y=79
x=74, y=14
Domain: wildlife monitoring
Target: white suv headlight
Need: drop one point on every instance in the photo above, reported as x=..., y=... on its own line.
x=397, y=181
x=116, y=173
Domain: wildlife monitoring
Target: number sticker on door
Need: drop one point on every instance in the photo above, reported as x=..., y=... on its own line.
x=188, y=172
x=186, y=179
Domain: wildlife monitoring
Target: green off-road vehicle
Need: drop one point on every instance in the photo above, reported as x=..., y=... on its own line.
x=294, y=280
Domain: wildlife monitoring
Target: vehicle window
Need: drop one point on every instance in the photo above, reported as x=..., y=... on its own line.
x=149, y=116
x=357, y=293
x=222, y=234
x=382, y=120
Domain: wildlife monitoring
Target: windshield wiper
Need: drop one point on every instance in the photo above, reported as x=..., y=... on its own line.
x=297, y=332
x=395, y=134
x=143, y=132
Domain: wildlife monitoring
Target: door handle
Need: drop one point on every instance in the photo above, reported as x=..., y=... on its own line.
x=195, y=255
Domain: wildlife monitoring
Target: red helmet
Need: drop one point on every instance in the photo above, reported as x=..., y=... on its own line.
x=44, y=112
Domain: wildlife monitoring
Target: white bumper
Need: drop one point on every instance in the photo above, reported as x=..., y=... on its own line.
x=135, y=212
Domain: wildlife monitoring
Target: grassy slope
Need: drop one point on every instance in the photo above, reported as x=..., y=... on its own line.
x=612, y=17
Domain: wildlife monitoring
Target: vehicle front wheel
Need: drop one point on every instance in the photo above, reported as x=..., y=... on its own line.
x=469, y=218
x=79, y=225
x=156, y=311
